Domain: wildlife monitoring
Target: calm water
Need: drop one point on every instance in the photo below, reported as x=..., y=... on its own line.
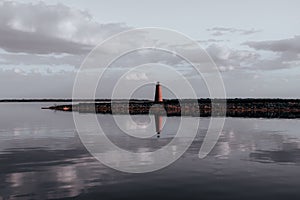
x=41, y=157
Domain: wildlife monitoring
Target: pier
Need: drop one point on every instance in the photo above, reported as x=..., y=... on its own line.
x=256, y=108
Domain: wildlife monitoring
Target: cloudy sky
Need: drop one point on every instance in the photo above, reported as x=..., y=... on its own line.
x=255, y=44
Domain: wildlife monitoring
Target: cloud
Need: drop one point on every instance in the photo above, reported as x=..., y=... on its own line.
x=18, y=41
x=137, y=76
x=12, y=59
x=209, y=41
x=287, y=51
x=228, y=59
x=285, y=45
x=219, y=31
x=45, y=29
x=34, y=34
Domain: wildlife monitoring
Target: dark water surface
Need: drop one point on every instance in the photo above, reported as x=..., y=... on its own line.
x=42, y=157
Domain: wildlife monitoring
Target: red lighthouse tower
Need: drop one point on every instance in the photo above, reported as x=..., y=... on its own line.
x=158, y=93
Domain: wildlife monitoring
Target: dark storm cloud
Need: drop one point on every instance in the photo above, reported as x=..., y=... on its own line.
x=219, y=31
x=45, y=29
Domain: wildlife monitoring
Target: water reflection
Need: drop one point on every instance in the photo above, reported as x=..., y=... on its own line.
x=158, y=124
x=42, y=157
x=284, y=152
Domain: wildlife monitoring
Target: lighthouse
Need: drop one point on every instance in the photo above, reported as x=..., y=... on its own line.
x=158, y=93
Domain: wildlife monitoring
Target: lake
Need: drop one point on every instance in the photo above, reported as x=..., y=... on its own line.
x=42, y=157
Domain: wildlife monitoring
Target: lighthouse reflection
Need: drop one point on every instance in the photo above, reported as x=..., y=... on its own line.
x=158, y=124
x=143, y=126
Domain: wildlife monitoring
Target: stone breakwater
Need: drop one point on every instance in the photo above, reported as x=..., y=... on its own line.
x=256, y=108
